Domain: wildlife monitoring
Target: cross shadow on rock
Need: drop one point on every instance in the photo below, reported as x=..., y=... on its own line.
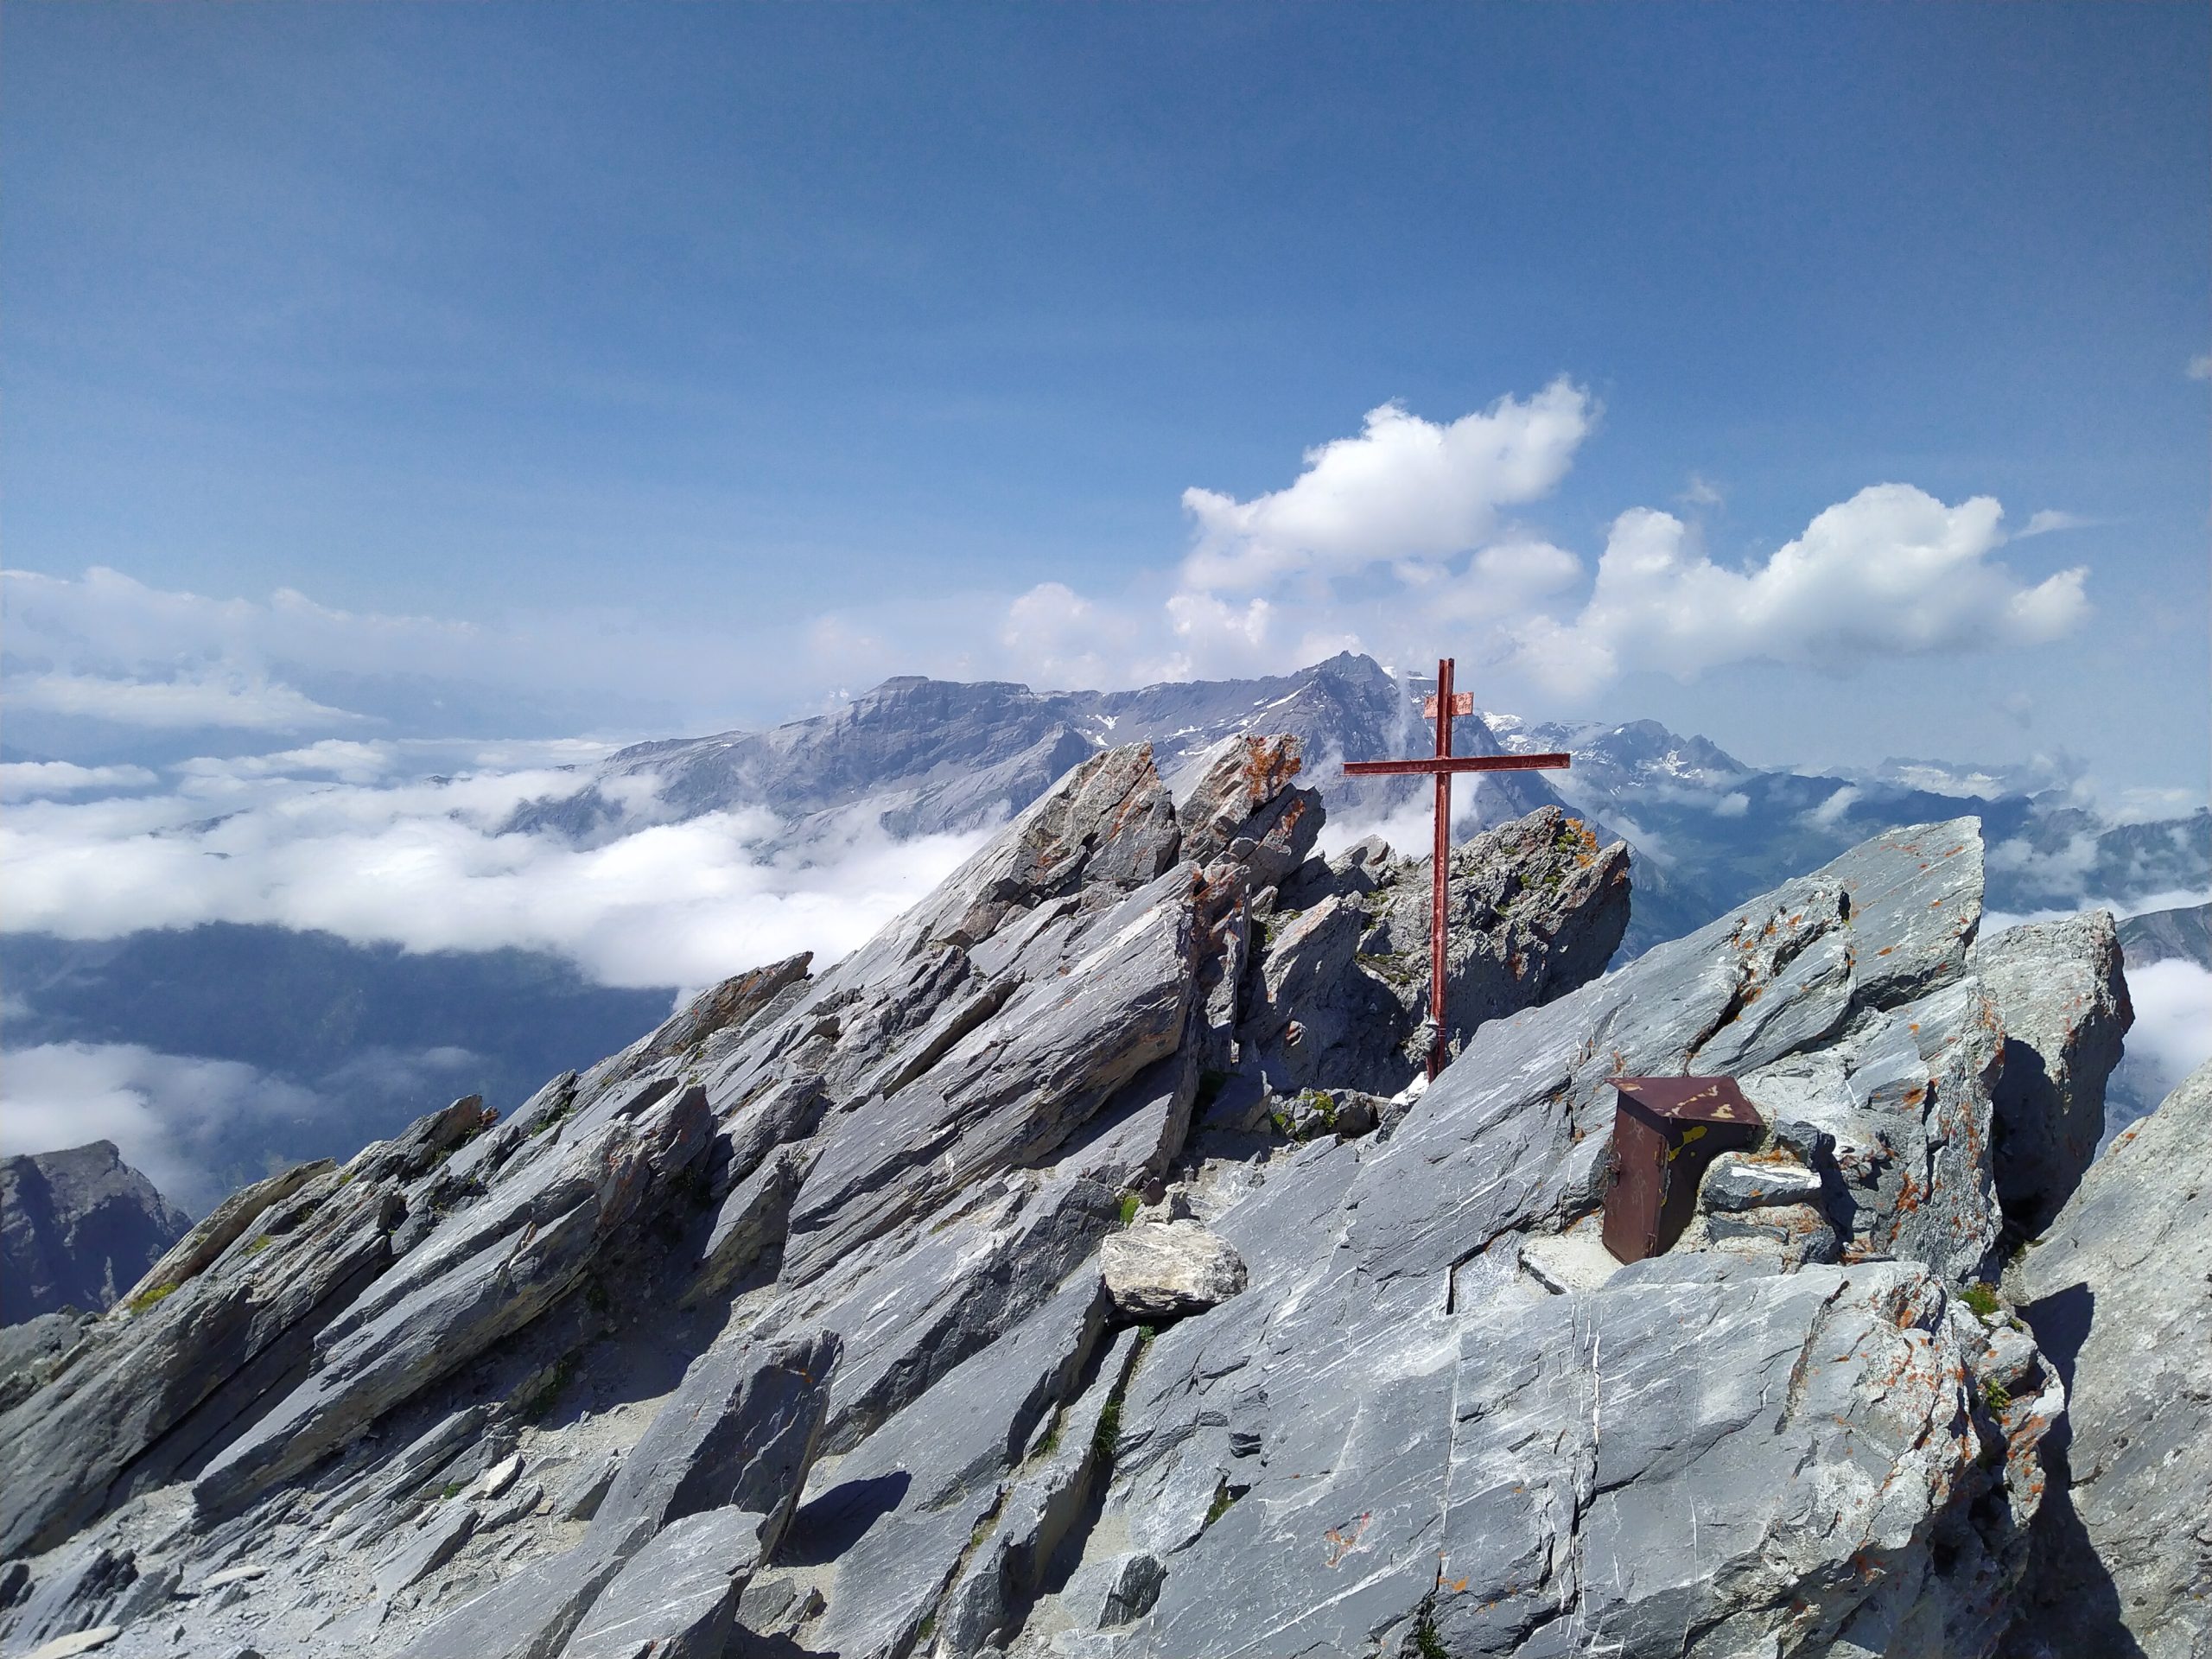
x=2069, y=1605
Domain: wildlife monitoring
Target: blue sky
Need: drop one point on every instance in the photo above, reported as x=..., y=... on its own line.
x=687, y=365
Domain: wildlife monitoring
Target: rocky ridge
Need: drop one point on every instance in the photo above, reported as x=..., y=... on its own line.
x=990, y=1291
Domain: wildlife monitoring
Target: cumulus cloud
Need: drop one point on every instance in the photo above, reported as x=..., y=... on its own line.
x=21, y=778
x=1404, y=488
x=1892, y=572
x=162, y=1110
x=1375, y=541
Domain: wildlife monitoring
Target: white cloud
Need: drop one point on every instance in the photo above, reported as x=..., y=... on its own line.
x=1830, y=812
x=350, y=762
x=241, y=702
x=1700, y=492
x=2042, y=523
x=1379, y=539
x=1500, y=582
x=160, y=1109
x=1891, y=572
x=1057, y=637
x=417, y=864
x=2173, y=1019
x=2200, y=367
x=1404, y=488
x=20, y=778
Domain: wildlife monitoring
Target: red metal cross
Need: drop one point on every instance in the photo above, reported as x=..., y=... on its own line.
x=1443, y=706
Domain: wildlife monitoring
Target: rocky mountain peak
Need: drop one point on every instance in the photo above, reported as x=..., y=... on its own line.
x=1053, y=1276
x=77, y=1227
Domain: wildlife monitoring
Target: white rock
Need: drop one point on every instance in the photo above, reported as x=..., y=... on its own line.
x=500, y=1476
x=1157, y=1270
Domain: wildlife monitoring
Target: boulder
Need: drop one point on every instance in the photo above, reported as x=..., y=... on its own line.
x=2119, y=1293
x=1164, y=1270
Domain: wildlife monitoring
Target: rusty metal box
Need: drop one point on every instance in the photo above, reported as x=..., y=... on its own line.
x=1666, y=1131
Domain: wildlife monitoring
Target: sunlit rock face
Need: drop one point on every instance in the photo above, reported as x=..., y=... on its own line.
x=1017, y=1284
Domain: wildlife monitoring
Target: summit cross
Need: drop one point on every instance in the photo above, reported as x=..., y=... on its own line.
x=1443, y=706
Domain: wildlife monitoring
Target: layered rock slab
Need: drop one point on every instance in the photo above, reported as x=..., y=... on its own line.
x=2061, y=991
x=2119, y=1293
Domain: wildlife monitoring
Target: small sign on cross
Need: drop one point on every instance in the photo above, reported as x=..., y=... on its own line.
x=1442, y=707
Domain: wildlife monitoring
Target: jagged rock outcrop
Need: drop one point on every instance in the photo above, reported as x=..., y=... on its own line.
x=77, y=1227
x=2062, y=997
x=836, y=1312
x=2119, y=1293
x=1536, y=908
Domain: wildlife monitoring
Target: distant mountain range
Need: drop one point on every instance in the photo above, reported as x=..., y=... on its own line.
x=375, y=1037
x=924, y=756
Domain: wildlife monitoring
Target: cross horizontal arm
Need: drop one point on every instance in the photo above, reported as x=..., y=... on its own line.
x=1460, y=763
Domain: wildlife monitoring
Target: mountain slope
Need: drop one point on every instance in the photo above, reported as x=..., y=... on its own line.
x=980, y=1292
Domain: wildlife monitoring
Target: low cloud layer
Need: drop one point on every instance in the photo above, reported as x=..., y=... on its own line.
x=2173, y=1018
x=418, y=862
x=164, y=1112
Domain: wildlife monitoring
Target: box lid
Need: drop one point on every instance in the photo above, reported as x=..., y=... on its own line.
x=1690, y=1100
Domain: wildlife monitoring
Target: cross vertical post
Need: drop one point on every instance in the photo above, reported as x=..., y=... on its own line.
x=1440, y=891
x=1445, y=705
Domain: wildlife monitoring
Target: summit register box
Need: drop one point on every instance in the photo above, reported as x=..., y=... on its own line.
x=1666, y=1131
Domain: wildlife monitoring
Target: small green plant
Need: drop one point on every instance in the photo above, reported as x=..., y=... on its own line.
x=1982, y=1298
x=545, y=1392
x=1145, y=1335
x=1222, y=1499
x=1128, y=1208
x=1995, y=1395
x=1425, y=1640
x=258, y=1245
x=453, y=1489
x=1107, y=1434
x=595, y=1296
x=146, y=1299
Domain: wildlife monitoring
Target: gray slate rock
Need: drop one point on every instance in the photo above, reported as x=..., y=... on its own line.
x=192, y=1254
x=76, y=1229
x=898, y=1514
x=675, y=1597
x=2061, y=993
x=36, y=1350
x=2119, y=1293
x=437, y=1541
x=740, y=1433
x=1536, y=908
x=438, y=1312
